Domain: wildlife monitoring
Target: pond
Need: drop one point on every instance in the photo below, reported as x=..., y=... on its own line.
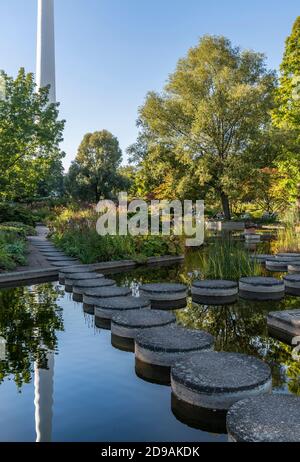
x=62, y=380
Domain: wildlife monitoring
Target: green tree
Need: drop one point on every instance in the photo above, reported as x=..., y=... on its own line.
x=30, y=133
x=213, y=115
x=94, y=173
x=286, y=116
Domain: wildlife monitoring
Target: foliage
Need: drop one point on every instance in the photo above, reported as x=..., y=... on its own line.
x=94, y=173
x=29, y=319
x=288, y=240
x=13, y=247
x=24, y=230
x=30, y=133
x=10, y=212
x=75, y=233
x=211, y=123
x=227, y=259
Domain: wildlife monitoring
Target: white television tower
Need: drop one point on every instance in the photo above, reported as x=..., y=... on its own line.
x=45, y=63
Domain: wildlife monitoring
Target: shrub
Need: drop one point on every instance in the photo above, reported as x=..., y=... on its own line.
x=13, y=247
x=16, y=213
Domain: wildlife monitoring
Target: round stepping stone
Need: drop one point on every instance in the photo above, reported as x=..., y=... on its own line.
x=64, y=264
x=289, y=255
x=292, y=284
x=261, y=258
x=265, y=419
x=261, y=288
x=166, y=295
x=92, y=296
x=62, y=259
x=73, y=270
x=284, y=325
x=79, y=287
x=71, y=279
x=252, y=237
x=294, y=267
x=125, y=326
x=107, y=307
x=157, y=349
x=215, y=381
x=214, y=292
x=276, y=264
x=200, y=418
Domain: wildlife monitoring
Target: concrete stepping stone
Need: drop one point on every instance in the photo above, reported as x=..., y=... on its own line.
x=62, y=258
x=79, y=287
x=199, y=418
x=249, y=237
x=214, y=292
x=125, y=326
x=292, y=284
x=216, y=380
x=107, y=307
x=64, y=264
x=277, y=264
x=53, y=253
x=284, y=325
x=73, y=270
x=294, y=268
x=291, y=255
x=71, y=279
x=93, y=295
x=157, y=349
x=261, y=258
x=261, y=288
x=265, y=419
x=165, y=295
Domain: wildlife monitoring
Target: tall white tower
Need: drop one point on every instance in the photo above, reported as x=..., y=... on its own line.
x=45, y=63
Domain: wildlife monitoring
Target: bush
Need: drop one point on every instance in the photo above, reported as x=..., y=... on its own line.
x=16, y=213
x=24, y=230
x=13, y=247
x=75, y=233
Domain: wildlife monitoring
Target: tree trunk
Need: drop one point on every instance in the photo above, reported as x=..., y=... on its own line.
x=225, y=205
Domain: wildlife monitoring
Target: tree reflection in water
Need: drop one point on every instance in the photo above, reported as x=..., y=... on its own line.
x=243, y=328
x=29, y=319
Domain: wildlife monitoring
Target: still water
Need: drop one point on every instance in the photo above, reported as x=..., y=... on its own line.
x=61, y=379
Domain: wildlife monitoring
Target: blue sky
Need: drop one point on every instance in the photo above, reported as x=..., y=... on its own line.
x=111, y=52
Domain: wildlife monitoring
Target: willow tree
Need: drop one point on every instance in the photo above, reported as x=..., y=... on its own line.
x=213, y=112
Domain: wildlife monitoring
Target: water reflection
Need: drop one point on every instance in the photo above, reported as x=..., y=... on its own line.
x=29, y=320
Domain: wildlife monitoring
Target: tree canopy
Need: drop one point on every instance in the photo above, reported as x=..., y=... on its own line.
x=94, y=172
x=30, y=133
x=210, y=121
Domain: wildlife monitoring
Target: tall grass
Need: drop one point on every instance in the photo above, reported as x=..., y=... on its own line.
x=288, y=240
x=228, y=259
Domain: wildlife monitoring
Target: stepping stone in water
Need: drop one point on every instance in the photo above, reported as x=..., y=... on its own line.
x=92, y=296
x=252, y=237
x=261, y=288
x=70, y=271
x=290, y=255
x=64, y=264
x=62, y=259
x=157, y=349
x=166, y=295
x=292, y=284
x=294, y=267
x=261, y=258
x=284, y=325
x=79, y=287
x=277, y=264
x=212, y=382
x=214, y=292
x=125, y=326
x=107, y=307
x=71, y=280
x=265, y=419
